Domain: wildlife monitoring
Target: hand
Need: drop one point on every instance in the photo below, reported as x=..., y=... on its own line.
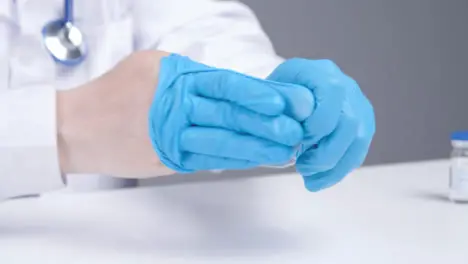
x=339, y=131
x=103, y=125
x=204, y=118
x=200, y=118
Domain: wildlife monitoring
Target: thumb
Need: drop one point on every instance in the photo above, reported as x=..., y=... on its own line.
x=299, y=100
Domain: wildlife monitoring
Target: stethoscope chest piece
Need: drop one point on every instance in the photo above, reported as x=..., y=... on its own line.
x=63, y=40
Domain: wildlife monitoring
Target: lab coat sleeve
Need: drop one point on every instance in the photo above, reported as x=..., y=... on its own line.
x=28, y=143
x=224, y=34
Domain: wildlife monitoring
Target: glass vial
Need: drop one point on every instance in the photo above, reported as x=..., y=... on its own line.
x=459, y=167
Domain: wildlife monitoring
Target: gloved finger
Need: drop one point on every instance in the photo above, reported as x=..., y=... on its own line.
x=298, y=70
x=228, y=144
x=330, y=150
x=330, y=95
x=211, y=113
x=327, y=84
x=353, y=158
x=254, y=94
x=358, y=105
x=300, y=102
x=197, y=162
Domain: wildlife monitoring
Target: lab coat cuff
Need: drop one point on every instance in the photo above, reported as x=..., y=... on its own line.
x=29, y=160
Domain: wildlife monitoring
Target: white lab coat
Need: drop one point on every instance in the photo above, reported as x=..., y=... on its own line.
x=219, y=33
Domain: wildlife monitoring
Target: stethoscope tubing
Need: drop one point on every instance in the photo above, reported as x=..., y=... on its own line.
x=68, y=11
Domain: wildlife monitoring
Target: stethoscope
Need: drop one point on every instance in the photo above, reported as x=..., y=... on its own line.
x=63, y=40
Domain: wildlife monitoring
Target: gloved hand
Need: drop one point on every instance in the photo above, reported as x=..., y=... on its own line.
x=339, y=132
x=203, y=118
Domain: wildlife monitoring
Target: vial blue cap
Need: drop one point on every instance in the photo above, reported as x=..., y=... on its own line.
x=460, y=135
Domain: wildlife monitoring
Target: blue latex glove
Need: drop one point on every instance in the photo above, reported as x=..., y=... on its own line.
x=339, y=132
x=203, y=118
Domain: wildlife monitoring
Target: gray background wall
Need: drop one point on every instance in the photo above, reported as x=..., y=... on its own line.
x=410, y=57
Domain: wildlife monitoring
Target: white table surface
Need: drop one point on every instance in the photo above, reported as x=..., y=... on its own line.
x=379, y=215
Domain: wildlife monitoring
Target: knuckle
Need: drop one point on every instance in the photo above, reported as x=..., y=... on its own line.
x=331, y=87
x=224, y=78
x=221, y=86
x=189, y=108
x=184, y=137
x=328, y=66
x=338, y=86
x=350, y=124
x=231, y=115
x=368, y=106
x=296, y=65
x=296, y=61
x=350, y=83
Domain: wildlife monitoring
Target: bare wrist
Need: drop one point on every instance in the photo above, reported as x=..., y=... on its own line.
x=62, y=112
x=67, y=129
x=102, y=126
